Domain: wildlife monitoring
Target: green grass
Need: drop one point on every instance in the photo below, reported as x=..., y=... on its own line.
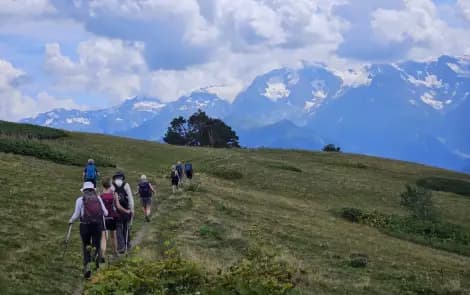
x=29, y=131
x=443, y=184
x=214, y=223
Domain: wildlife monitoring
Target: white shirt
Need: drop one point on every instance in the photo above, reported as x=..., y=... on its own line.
x=79, y=210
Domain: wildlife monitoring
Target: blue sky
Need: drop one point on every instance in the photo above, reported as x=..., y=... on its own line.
x=93, y=54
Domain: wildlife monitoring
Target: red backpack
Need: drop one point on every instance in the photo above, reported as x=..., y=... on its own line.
x=92, y=211
x=108, y=201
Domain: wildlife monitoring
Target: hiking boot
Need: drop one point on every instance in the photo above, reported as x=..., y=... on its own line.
x=102, y=260
x=147, y=218
x=87, y=272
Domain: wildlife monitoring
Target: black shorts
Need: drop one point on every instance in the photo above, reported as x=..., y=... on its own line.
x=110, y=224
x=189, y=174
x=146, y=201
x=175, y=180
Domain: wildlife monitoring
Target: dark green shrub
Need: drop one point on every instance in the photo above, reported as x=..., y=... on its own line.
x=351, y=214
x=419, y=201
x=331, y=148
x=59, y=154
x=358, y=260
x=282, y=166
x=227, y=174
x=455, y=186
x=27, y=131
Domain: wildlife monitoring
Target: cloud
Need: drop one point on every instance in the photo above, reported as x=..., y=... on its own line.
x=418, y=28
x=25, y=8
x=463, y=6
x=15, y=105
x=110, y=67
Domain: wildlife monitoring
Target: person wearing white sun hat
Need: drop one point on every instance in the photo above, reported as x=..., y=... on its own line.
x=90, y=209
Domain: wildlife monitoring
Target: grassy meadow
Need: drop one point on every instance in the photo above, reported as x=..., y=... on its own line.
x=280, y=202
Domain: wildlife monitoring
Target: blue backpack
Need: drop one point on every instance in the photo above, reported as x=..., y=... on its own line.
x=188, y=167
x=90, y=172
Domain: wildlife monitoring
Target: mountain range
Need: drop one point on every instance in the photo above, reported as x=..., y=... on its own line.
x=413, y=111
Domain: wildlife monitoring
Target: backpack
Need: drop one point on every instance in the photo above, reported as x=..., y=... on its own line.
x=188, y=167
x=92, y=211
x=144, y=190
x=179, y=168
x=122, y=195
x=90, y=172
x=108, y=201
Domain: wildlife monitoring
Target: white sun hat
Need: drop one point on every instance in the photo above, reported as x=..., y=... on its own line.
x=88, y=185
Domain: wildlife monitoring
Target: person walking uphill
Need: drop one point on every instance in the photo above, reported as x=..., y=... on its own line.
x=126, y=200
x=90, y=173
x=175, y=178
x=179, y=168
x=91, y=211
x=145, y=192
x=111, y=202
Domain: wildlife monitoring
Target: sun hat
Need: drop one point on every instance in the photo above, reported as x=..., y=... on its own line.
x=87, y=185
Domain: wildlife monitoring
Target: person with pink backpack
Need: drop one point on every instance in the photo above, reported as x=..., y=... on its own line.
x=91, y=210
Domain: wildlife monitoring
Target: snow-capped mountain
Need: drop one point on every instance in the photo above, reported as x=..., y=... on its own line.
x=130, y=114
x=417, y=111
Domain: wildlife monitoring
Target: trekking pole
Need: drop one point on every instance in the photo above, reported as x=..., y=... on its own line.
x=67, y=238
x=127, y=234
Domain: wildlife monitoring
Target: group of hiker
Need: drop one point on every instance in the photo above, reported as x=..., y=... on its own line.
x=109, y=214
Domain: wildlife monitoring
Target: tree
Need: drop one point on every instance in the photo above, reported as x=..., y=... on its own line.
x=201, y=130
x=177, y=132
x=331, y=148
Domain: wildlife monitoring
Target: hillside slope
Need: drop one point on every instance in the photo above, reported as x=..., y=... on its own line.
x=282, y=201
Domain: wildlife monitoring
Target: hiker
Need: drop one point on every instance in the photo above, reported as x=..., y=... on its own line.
x=111, y=202
x=179, y=168
x=188, y=169
x=90, y=173
x=146, y=191
x=175, y=178
x=126, y=200
x=91, y=211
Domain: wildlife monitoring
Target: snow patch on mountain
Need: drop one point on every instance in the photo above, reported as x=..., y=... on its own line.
x=276, y=90
x=429, y=99
x=147, y=106
x=455, y=67
x=430, y=81
x=49, y=121
x=354, y=77
x=78, y=120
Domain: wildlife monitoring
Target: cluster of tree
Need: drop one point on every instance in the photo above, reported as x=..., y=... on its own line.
x=201, y=130
x=331, y=148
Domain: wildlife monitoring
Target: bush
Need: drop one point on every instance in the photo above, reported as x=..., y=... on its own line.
x=282, y=166
x=258, y=273
x=455, y=186
x=419, y=201
x=331, y=148
x=8, y=129
x=58, y=154
x=437, y=234
x=358, y=260
x=227, y=174
x=351, y=214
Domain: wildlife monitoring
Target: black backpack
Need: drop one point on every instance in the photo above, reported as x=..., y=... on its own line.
x=144, y=190
x=122, y=196
x=92, y=211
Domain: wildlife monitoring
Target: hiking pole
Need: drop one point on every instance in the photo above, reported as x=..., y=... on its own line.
x=127, y=234
x=67, y=238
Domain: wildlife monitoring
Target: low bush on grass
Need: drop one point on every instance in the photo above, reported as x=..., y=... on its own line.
x=59, y=154
x=282, y=166
x=228, y=174
x=8, y=129
x=455, y=186
x=257, y=273
x=419, y=201
x=434, y=233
